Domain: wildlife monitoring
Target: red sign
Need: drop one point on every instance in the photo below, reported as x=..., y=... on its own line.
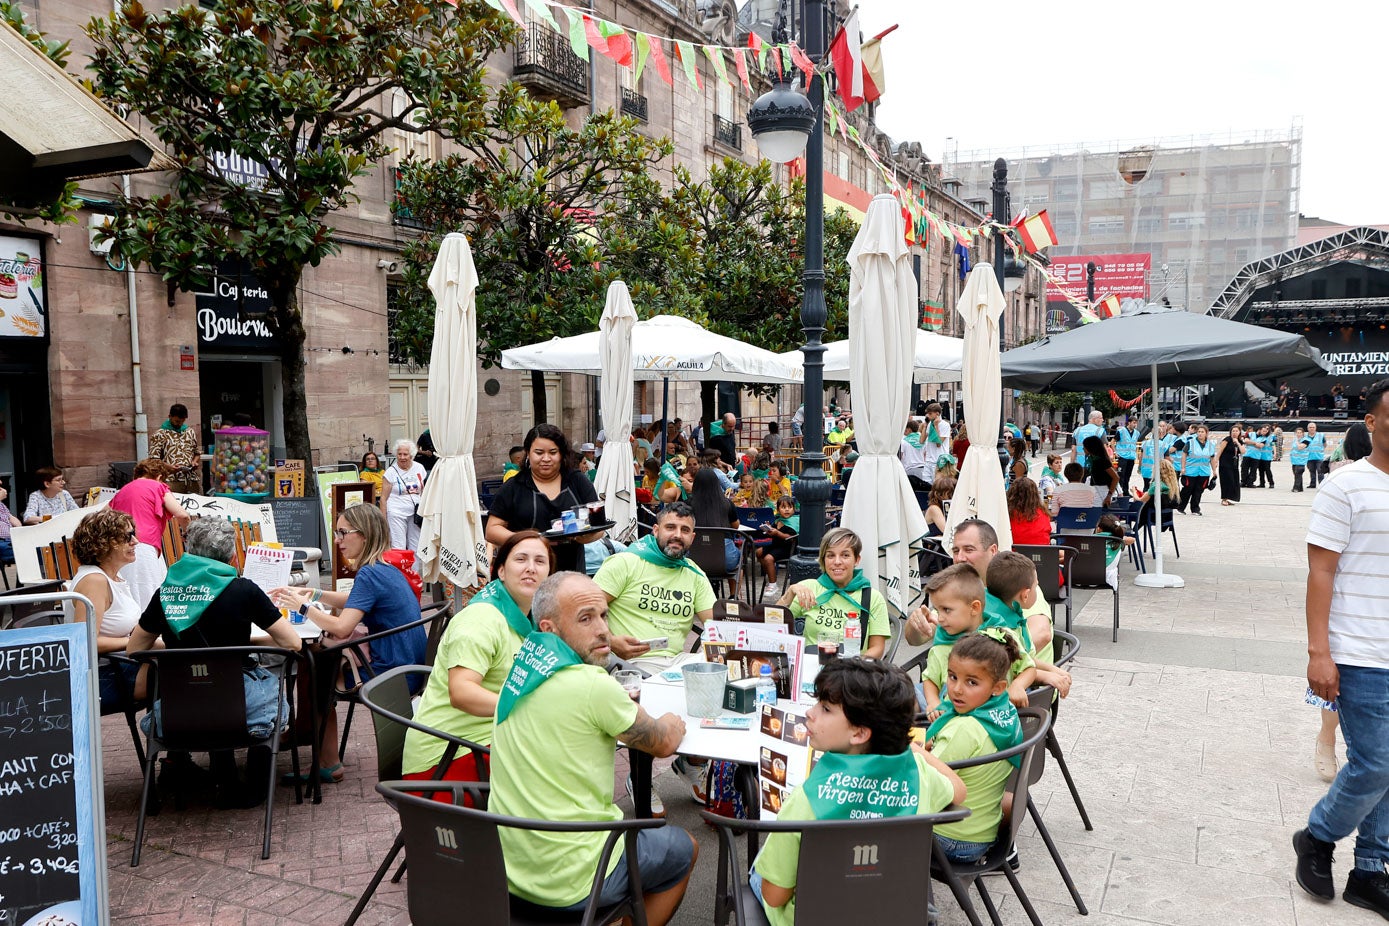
x=185, y=357
x=1123, y=275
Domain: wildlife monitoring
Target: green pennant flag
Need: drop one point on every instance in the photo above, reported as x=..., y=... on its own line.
x=831, y=120
x=542, y=9
x=578, y=39
x=715, y=56
x=643, y=49
x=687, y=59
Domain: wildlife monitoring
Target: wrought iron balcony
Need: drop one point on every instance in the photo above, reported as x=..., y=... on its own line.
x=634, y=104
x=546, y=65
x=400, y=213
x=729, y=134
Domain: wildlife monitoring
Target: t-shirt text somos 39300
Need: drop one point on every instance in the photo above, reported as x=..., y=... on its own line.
x=1350, y=516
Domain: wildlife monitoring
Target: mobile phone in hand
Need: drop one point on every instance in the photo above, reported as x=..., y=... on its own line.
x=656, y=642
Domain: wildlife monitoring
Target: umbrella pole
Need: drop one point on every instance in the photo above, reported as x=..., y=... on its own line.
x=1158, y=578
x=665, y=417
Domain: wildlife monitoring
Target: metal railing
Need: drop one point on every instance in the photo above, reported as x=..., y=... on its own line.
x=634, y=104
x=543, y=53
x=728, y=133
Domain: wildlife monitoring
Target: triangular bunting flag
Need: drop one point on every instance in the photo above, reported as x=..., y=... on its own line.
x=542, y=9
x=740, y=62
x=643, y=49
x=659, y=61
x=804, y=63
x=577, y=39
x=510, y=7
x=962, y=235
x=831, y=120
x=619, y=43
x=715, y=56
x=1108, y=307
x=686, y=53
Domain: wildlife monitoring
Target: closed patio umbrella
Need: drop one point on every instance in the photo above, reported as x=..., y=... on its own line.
x=613, y=481
x=1151, y=343
x=979, y=489
x=451, y=540
x=880, y=505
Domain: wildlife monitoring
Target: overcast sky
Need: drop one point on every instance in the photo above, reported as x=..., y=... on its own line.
x=1073, y=71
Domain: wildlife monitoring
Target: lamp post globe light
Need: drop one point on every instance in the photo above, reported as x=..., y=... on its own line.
x=784, y=122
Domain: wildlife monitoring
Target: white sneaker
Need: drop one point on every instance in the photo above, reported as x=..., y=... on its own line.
x=693, y=775
x=658, y=807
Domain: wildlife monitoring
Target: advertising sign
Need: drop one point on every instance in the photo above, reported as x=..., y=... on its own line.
x=23, y=302
x=1123, y=275
x=227, y=312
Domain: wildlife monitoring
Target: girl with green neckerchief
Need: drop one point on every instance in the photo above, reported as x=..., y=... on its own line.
x=474, y=660
x=841, y=590
x=977, y=719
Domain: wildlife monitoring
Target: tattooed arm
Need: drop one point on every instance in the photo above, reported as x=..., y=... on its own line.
x=659, y=736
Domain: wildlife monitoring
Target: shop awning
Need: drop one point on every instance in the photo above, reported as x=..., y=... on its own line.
x=52, y=129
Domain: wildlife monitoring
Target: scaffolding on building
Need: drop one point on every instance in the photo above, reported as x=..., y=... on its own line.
x=1201, y=206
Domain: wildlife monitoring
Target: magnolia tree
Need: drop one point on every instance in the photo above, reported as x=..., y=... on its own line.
x=305, y=91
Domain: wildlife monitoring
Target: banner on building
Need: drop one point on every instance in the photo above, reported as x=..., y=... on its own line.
x=1121, y=275
x=23, y=300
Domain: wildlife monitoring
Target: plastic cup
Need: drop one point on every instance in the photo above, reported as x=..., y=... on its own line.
x=829, y=641
x=704, y=684
x=630, y=680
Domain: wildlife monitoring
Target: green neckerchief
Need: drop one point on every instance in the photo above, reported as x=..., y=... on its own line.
x=668, y=474
x=932, y=435
x=998, y=613
x=495, y=594
x=716, y=429
x=914, y=439
x=169, y=426
x=647, y=549
x=540, y=659
x=793, y=522
x=997, y=716
x=1046, y=471
x=843, y=786
x=829, y=589
x=759, y=474
x=509, y=467
x=192, y=583
x=944, y=638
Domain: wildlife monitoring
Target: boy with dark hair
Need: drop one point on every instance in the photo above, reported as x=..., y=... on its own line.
x=1012, y=585
x=1074, y=493
x=861, y=721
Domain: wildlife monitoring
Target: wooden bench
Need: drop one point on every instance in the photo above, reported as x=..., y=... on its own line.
x=59, y=562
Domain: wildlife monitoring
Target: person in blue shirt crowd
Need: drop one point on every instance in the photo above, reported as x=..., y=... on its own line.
x=1316, y=454
x=1095, y=427
x=1298, y=456
x=1126, y=450
x=1196, y=469
x=1258, y=455
x=1176, y=451
x=1145, y=452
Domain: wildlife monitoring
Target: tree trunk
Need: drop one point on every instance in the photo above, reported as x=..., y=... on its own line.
x=538, y=396
x=295, y=408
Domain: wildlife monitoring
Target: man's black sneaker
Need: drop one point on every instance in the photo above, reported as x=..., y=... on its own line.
x=1314, y=865
x=1368, y=889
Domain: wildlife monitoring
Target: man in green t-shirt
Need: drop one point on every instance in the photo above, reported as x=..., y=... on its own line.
x=655, y=591
x=559, y=717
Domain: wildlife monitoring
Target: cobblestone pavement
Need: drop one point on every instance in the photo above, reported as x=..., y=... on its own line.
x=1188, y=740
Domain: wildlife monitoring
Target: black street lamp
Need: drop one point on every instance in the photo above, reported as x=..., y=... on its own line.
x=1010, y=275
x=784, y=122
x=1090, y=268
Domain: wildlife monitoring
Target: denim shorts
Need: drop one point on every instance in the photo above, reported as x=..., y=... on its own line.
x=795, y=429
x=664, y=857
x=961, y=852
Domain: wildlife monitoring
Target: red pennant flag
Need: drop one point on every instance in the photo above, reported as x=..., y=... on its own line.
x=740, y=62
x=804, y=63
x=659, y=62
x=1036, y=231
x=595, y=38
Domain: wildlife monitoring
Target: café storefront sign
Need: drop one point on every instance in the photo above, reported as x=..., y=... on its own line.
x=23, y=299
x=232, y=313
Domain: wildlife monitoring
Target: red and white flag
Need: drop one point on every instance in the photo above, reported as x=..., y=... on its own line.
x=1108, y=307
x=1036, y=231
x=858, y=66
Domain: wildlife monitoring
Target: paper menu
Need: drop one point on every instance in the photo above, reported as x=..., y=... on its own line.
x=784, y=757
x=267, y=567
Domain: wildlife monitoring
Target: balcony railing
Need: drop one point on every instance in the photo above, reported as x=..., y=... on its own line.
x=728, y=133
x=634, y=104
x=546, y=64
x=400, y=213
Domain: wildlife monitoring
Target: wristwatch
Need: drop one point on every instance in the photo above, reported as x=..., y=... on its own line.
x=304, y=609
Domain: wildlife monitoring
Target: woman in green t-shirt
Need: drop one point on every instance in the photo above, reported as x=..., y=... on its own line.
x=840, y=591
x=474, y=660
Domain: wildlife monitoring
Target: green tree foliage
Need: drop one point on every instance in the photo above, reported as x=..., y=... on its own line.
x=305, y=89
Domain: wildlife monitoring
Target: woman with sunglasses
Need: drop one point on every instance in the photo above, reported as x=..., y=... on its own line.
x=104, y=544
x=380, y=599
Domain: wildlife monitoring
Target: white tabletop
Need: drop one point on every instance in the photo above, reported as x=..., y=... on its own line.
x=308, y=631
x=660, y=697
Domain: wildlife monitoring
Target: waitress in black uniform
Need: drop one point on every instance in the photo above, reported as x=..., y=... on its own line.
x=541, y=492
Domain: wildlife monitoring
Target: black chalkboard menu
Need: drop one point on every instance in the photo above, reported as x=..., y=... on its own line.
x=297, y=521
x=50, y=820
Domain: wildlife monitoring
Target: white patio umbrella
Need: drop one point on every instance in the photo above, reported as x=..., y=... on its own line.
x=880, y=505
x=979, y=489
x=452, y=545
x=938, y=358
x=666, y=347
x=613, y=481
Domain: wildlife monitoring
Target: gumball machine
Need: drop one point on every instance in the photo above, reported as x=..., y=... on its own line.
x=241, y=463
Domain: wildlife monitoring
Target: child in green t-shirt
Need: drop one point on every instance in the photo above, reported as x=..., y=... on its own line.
x=1012, y=588
x=977, y=719
x=1109, y=526
x=861, y=721
x=957, y=598
x=783, y=537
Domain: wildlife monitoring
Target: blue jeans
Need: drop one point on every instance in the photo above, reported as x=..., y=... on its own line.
x=961, y=852
x=1359, y=797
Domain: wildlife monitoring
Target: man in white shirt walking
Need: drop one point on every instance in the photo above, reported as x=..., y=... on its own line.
x=935, y=440
x=1348, y=662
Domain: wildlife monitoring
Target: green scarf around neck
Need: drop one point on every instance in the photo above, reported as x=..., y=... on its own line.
x=495, y=594
x=945, y=638
x=668, y=474
x=997, y=716
x=192, y=583
x=540, y=659
x=999, y=613
x=648, y=550
x=169, y=426
x=828, y=589
x=1046, y=471
x=866, y=786
x=716, y=429
x=914, y=439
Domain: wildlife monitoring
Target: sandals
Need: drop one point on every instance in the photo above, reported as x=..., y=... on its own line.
x=330, y=775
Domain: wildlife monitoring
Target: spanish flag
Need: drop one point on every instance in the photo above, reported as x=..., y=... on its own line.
x=1108, y=307
x=1036, y=231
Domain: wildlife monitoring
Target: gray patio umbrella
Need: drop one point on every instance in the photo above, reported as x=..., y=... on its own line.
x=1156, y=342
